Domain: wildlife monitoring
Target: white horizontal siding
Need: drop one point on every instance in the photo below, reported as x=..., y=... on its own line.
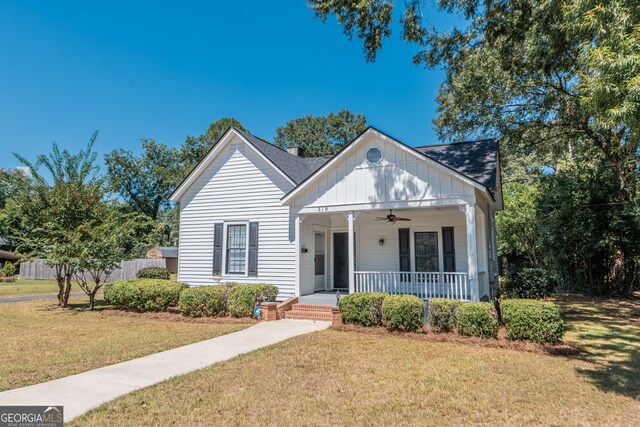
x=239, y=185
x=400, y=176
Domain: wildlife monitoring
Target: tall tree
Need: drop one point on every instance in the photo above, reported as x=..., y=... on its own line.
x=145, y=182
x=557, y=81
x=195, y=148
x=321, y=135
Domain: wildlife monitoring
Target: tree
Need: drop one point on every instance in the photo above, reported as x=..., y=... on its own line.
x=556, y=81
x=101, y=245
x=50, y=212
x=145, y=182
x=195, y=148
x=321, y=135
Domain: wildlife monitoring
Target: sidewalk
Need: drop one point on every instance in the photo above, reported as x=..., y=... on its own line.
x=81, y=392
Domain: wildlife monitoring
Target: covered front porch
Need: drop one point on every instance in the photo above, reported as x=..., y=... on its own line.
x=430, y=252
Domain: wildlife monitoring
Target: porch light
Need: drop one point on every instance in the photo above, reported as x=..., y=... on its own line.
x=381, y=241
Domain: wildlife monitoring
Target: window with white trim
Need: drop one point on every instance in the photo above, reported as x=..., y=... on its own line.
x=236, y=249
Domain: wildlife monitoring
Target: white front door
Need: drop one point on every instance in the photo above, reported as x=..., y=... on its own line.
x=319, y=259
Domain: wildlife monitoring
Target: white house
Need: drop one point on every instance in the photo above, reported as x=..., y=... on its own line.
x=377, y=216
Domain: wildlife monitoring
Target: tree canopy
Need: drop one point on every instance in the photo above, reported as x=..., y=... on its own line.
x=195, y=148
x=321, y=135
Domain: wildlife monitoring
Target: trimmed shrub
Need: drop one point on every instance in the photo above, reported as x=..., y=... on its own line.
x=9, y=269
x=402, y=313
x=143, y=294
x=362, y=308
x=243, y=298
x=532, y=320
x=477, y=319
x=204, y=301
x=442, y=313
x=528, y=282
x=154, y=273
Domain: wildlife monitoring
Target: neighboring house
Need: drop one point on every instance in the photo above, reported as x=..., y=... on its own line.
x=378, y=216
x=168, y=253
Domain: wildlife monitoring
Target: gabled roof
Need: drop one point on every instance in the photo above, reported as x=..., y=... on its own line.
x=477, y=160
x=474, y=160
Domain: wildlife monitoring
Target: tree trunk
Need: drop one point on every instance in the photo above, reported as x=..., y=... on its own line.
x=67, y=290
x=60, y=281
x=92, y=299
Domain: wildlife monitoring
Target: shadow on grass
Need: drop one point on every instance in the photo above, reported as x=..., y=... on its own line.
x=608, y=335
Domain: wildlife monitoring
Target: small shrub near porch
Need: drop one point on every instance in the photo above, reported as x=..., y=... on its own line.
x=243, y=298
x=532, y=320
x=202, y=301
x=442, y=313
x=362, y=308
x=143, y=294
x=402, y=313
x=477, y=319
x=154, y=273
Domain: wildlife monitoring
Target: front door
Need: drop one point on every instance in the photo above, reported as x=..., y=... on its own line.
x=319, y=261
x=341, y=260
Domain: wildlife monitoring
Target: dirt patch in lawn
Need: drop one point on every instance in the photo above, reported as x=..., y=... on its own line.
x=176, y=317
x=432, y=335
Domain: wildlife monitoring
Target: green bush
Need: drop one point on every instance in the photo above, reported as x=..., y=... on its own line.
x=478, y=319
x=402, y=313
x=154, y=273
x=143, y=294
x=8, y=270
x=532, y=320
x=362, y=308
x=442, y=313
x=528, y=282
x=204, y=301
x=243, y=298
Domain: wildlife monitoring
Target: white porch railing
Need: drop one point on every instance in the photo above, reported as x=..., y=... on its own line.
x=425, y=285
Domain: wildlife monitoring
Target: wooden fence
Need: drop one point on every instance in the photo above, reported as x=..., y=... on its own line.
x=37, y=270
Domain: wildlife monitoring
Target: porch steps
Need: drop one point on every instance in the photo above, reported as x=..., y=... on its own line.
x=310, y=312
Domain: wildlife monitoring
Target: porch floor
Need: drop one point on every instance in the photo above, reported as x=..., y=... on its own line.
x=321, y=298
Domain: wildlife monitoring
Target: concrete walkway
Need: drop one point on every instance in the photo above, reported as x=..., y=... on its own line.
x=81, y=392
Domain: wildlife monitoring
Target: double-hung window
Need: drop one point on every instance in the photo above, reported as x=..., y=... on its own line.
x=236, y=248
x=426, y=251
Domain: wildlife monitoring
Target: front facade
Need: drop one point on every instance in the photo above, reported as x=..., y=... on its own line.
x=378, y=216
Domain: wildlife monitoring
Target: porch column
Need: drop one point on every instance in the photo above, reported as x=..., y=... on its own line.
x=298, y=245
x=472, y=253
x=352, y=261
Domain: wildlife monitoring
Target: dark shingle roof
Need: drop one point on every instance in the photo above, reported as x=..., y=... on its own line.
x=477, y=160
x=474, y=159
x=296, y=168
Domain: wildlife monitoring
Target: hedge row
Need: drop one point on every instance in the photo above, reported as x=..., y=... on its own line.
x=524, y=319
x=159, y=295
x=144, y=294
x=396, y=312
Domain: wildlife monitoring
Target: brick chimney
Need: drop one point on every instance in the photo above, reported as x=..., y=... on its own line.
x=296, y=151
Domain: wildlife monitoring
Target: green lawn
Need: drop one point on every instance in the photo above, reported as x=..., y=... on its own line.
x=336, y=377
x=41, y=342
x=27, y=287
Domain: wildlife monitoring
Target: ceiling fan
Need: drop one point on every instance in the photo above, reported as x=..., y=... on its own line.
x=391, y=217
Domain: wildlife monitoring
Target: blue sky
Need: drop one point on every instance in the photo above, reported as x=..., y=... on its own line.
x=165, y=71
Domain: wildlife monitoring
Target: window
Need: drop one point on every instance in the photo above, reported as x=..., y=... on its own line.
x=426, y=251
x=236, y=249
x=374, y=155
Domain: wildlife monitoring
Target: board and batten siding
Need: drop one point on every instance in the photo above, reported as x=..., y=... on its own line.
x=400, y=176
x=239, y=185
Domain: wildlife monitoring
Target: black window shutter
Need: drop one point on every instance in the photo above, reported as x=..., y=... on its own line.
x=448, y=249
x=405, y=256
x=217, y=248
x=253, y=249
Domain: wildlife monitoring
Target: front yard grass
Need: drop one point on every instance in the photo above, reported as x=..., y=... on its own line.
x=340, y=377
x=41, y=342
x=29, y=287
